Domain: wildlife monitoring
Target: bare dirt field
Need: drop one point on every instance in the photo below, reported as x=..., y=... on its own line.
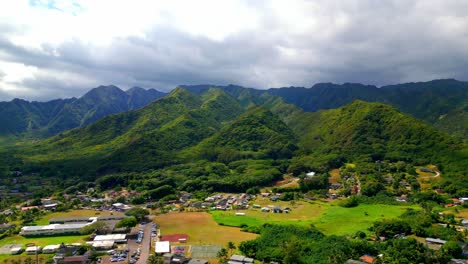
x=201, y=229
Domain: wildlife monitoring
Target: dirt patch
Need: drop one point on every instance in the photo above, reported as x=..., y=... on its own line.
x=201, y=228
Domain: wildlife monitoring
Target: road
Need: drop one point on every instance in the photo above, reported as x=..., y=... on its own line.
x=132, y=246
x=437, y=174
x=144, y=245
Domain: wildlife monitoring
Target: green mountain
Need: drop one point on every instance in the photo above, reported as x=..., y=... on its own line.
x=42, y=119
x=429, y=101
x=186, y=134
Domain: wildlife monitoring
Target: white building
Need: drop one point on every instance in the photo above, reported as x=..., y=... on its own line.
x=50, y=249
x=163, y=247
x=33, y=250
x=16, y=250
x=53, y=229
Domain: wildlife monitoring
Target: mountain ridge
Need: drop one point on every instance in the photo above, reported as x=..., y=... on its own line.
x=41, y=119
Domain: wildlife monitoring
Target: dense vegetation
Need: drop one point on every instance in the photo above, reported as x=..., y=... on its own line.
x=442, y=103
x=296, y=244
x=21, y=118
x=213, y=141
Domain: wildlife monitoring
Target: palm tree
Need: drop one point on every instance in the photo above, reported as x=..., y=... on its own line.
x=231, y=246
x=154, y=259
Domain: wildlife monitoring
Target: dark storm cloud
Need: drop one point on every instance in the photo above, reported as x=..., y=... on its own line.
x=379, y=43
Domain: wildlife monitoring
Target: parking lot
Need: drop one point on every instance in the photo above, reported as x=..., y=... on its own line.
x=137, y=251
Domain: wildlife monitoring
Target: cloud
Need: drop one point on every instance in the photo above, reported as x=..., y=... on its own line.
x=63, y=48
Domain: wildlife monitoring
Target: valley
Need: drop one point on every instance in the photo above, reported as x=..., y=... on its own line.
x=272, y=172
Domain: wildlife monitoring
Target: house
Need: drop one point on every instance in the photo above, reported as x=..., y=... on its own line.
x=367, y=259
x=5, y=227
x=459, y=261
x=26, y=208
x=401, y=199
x=464, y=222
x=239, y=259
x=277, y=209
x=274, y=197
x=16, y=250
x=265, y=209
x=463, y=199
x=120, y=206
x=434, y=243
x=50, y=249
x=33, y=250
x=310, y=174
x=107, y=241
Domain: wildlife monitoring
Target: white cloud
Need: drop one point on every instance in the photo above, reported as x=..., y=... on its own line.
x=72, y=45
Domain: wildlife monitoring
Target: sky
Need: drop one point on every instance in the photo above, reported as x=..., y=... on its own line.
x=56, y=49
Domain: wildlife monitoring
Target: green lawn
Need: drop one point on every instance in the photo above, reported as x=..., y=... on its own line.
x=43, y=241
x=73, y=213
x=338, y=220
x=329, y=218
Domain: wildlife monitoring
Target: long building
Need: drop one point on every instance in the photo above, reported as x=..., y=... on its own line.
x=54, y=229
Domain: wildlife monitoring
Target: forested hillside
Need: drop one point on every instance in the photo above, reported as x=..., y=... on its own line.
x=216, y=141
x=20, y=118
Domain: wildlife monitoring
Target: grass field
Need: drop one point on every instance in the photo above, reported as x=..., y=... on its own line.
x=329, y=218
x=42, y=241
x=302, y=213
x=21, y=258
x=347, y=221
x=201, y=229
x=74, y=213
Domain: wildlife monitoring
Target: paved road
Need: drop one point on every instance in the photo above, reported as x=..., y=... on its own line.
x=144, y=245
x=132, y=246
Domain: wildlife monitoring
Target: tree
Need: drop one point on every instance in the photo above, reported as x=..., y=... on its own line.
x=97, y=227
x=292, y=254
x=138, y=213
x=127, y=222
x=231, y=246
x=452, y=249
x=222, y=254
x=154, y=259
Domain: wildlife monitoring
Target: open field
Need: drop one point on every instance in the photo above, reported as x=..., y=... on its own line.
x=338, y=220
x=201, y=229
x=21, y=258
x=459, y=212
x=73, y=213
x=301, y=213
x=43, y=241
x=327, y=217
